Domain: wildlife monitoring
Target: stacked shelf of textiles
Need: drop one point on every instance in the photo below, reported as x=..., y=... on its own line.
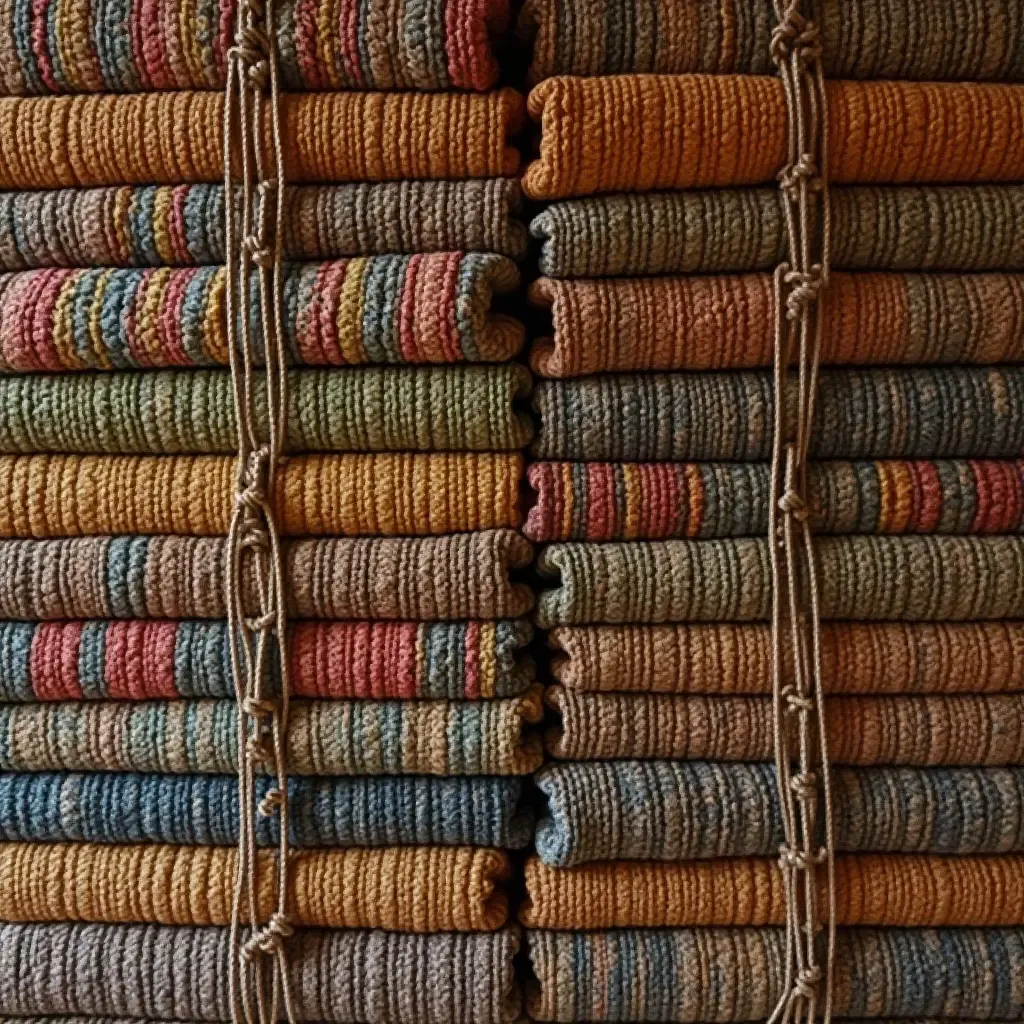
x=398, y=503
x=655, y=894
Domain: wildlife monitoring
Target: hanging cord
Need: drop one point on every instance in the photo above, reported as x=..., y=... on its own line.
x=807, y=855
x=257, y=627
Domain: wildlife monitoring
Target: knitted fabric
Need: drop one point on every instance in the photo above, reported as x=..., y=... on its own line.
x=167, y=972
x=146, y=659
x=456, y=408
x=600, y=501
x=203, y=810
x=176, y=138
x=962, y=228
x=912, y=579
x=314, y=495
x=181, y=225
x=99, y=46
x=643, y=132
x=891, y=891
x=463, y=576
x=920, y=413
x=709, y=323
x=856, y=657
x=324, y=737
x=675, y=810
x=405, y=889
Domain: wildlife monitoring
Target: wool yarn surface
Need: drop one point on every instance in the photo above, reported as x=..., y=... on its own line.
x=175, y=138
x=405, y=889
x=191, y=412
x=629, y=133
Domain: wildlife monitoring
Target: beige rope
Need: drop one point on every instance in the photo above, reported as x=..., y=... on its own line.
x=258, y=980
x=801, y=752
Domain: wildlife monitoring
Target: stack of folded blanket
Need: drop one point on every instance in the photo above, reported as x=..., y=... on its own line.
x=655, y=894
x=398, y=503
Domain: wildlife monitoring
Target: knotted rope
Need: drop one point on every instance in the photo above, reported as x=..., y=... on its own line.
x=801, y=751
x=254, y=172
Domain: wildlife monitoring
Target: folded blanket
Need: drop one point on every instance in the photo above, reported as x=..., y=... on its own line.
x=962, y=228
x=452, y=408
x=644, y=132
x=403, y=889
x=434, y=308
x=176, y=138
x=166, y=973
x=675, y=810
x=903, y=579
x=857, y=657
x=139, y=659
x=70, y=46
x=920, y=413
x=181, y=225
x=464, y=576
x=324, y=737
x=721, y=975
x=868, y=39
x=203, y=810
x=314, y=495
x=709, y=323
x=600, y=501
x=908, y=891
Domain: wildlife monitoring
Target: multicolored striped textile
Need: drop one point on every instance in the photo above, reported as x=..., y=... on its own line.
x=140, y=659
x=64, y=46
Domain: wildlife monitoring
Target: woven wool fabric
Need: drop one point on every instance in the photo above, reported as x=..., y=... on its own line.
x=601, y=501
x=98, y=46
x=642, y=132
x=176, y=138
x=462, y=576
x=405, y=889
x=904, y=891
x=856, y=657
x=708, y=323
x=202, y=810
x=140, y=659
x=181, y=225
x=168, y=972
x=676, y=810
x=191, y=412
x=919, y=413
x=908, y=227
x=975, y=39
x=314, y=495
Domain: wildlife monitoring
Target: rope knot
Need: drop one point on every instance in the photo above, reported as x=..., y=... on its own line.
x=805, y=287
x=268, y=940
x=261, y=623
x=806, y=982
x=799, y=860
x=258, y=708
x=256, y=751
x=260, y=254
x=796, y=701
x=805, y=786
x=272, y=802
x=804, y=171
x=793, y=505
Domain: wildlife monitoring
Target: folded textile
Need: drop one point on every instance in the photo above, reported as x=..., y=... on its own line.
x=971, y=39
x=324, y=737
x=70, y=46
x=434, y=308
x=918, y=413
x=722, y=975
x=728, y=322
x=905, y=891
x=644, y=132
x=601, y=501
x=908, y=227
x=202, y=810
x=192, y=412
x=676, y=810
x=166, y=973
x=404, y=889
x=181, y=225
x=314, y=495
x=908, y=579
x=176, y=138
x=856, y=657
x=139, y=659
